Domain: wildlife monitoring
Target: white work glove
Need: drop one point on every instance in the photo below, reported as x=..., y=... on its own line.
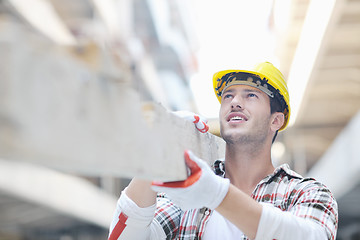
x=201, y=189
x=199, y=121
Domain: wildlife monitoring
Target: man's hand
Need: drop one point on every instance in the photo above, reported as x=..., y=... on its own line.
x=201, y=189
x=199, y=121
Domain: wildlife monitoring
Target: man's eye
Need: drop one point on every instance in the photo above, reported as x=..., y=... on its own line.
x=252, y=95
x=227, y=96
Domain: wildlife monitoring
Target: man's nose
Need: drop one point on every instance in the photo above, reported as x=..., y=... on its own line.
x=236, y=103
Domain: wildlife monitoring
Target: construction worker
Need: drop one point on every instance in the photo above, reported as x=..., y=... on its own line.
x=244, y=196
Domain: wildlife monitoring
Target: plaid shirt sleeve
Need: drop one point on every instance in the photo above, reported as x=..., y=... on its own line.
x=168, y=216
x=315, y=202
x=303, y=209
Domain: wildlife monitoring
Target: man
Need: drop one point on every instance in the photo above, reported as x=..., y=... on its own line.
x=247, y=198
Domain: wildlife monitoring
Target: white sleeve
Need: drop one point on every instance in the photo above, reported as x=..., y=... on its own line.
x=132, y=222
x=276, y=224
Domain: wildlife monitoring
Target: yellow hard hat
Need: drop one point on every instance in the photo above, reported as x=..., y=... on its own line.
x=263, y=76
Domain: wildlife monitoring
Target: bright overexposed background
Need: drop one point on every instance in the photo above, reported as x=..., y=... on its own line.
x=232, y=34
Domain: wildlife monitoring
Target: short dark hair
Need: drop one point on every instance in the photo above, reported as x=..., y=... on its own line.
x=276, y=106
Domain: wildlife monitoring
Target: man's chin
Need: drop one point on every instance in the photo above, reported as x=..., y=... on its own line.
x=234, y=136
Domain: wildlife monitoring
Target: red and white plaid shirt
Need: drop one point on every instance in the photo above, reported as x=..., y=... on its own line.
x=284, y=189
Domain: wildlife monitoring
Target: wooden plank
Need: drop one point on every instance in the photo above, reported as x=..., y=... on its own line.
x=54, y=111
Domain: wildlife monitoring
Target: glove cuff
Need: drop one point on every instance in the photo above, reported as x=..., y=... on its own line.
x=222, y=189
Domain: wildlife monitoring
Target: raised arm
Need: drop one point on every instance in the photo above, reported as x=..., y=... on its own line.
x=134, y=214
x=264, y=221
x=314, y=216
x=135, y=210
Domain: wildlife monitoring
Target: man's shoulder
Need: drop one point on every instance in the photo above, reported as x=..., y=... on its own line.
x=285, y=168
x=303, y=183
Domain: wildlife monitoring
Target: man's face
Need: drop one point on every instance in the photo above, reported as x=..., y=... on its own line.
x=245, y=115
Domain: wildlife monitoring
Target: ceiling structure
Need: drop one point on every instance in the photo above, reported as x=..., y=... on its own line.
x=332, y=97
x=327, y=55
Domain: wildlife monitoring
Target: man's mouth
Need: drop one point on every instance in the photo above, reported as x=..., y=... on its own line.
x=236, y=116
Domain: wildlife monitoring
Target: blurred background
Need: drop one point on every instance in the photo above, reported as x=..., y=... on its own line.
x=168, y=50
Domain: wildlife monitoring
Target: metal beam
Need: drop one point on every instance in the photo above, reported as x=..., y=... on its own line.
x=339, y=168
x=321, y=18
x=66, y=194
x=44, y=18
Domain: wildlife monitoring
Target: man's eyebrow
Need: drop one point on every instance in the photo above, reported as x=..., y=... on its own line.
x=228, y=90
x=246, y=90
x=252, y=90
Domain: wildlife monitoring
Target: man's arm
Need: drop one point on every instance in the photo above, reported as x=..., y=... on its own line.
x=240, y=209
x=257, y=220
x=134, y=214
x=135, y=210
x=140, y=192
x=264, y=221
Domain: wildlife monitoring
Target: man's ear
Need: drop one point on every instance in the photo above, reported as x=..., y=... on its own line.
x=278, y=119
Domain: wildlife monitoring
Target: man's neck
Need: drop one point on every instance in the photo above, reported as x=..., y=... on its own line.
x=246, y=166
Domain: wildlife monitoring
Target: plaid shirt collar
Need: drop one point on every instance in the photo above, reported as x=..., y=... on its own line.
x=219, y=169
